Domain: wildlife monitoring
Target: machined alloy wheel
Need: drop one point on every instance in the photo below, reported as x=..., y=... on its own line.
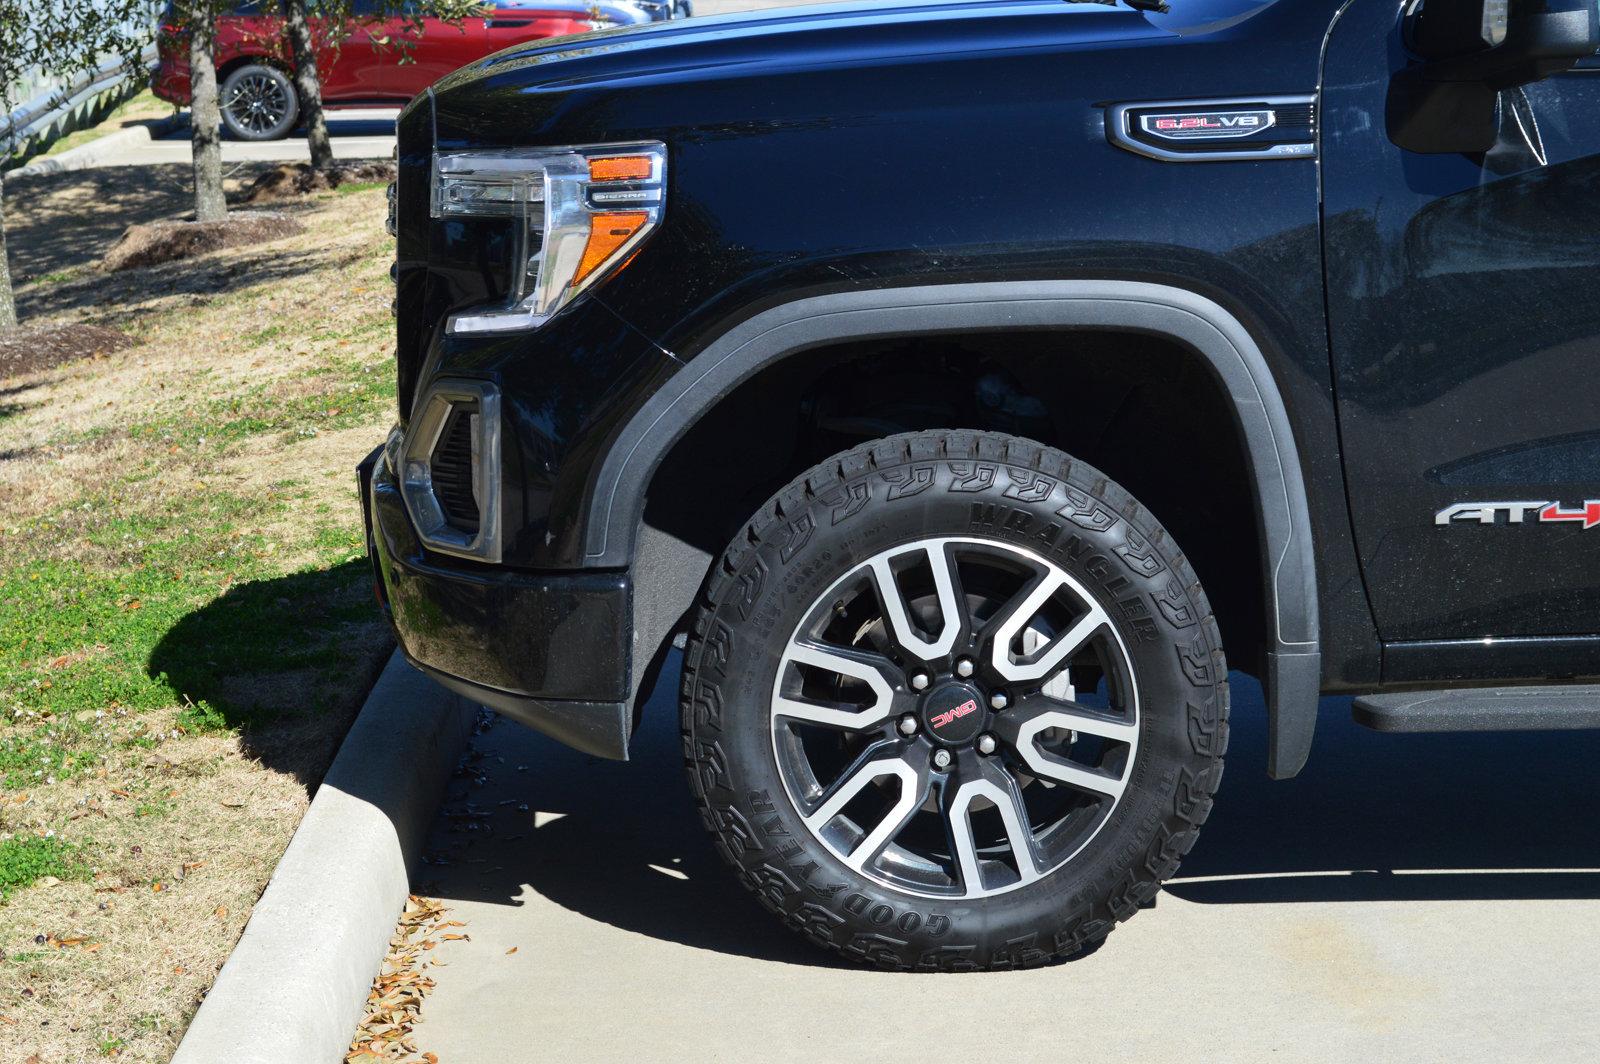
x=954, y=701
x=913, y=699
x=259, y=103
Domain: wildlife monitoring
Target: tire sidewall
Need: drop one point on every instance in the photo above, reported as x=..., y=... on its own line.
x=1060, y=512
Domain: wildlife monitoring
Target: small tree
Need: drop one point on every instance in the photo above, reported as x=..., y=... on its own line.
x=62, y=41
x=307, y=82
x=334, y=17
x=205, y=116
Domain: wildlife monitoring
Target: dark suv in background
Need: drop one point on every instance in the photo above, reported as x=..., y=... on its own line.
x=956, y=380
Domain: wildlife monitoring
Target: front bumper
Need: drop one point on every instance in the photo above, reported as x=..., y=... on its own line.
x=549, y=650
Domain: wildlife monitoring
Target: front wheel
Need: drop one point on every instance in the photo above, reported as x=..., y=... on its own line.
x=259, y=103
x=954, y=701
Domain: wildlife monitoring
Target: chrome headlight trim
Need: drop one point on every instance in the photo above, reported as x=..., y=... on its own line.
x=558, y=201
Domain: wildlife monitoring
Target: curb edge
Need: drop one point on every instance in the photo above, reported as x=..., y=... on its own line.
x=320, y=930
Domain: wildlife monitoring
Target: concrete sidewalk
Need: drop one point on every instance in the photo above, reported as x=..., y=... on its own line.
x=1408, y=898
x=364, y=134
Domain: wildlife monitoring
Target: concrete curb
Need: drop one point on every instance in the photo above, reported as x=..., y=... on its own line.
x=96, y=151
x=293, y=990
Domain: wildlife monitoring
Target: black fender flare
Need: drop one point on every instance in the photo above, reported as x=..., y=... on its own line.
x=1293, y=680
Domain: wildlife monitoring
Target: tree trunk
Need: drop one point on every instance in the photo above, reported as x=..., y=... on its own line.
x=204, y=117
x=8, y=301
x=307, y=83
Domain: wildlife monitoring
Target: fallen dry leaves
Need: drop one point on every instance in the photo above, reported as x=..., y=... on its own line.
x=395, y=1001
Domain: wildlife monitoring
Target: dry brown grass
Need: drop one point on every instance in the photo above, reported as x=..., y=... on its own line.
x=185, y=837
x=211, y=466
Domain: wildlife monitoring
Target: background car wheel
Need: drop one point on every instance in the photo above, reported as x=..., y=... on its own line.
x=259, y=103
x=954, y=701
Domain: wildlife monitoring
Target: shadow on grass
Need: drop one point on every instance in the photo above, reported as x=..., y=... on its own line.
x=285, y=662
x=119, y=294
x=63, y=220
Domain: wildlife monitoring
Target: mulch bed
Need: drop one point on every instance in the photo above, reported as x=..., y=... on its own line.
x=294, y=180
x=38, y=347
x=148, y=245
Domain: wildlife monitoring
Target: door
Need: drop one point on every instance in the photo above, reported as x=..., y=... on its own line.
x=1464, y=318
x=424, y=49
x=349, y=61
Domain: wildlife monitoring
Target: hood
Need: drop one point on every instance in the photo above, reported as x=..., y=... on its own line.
x=783, y=39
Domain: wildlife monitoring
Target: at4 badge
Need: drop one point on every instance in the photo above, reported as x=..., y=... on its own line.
x=1516, y=513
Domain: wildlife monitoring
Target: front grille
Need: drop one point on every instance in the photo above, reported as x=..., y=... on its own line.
x=415, y=317
x=392, y=224
x=453, y=466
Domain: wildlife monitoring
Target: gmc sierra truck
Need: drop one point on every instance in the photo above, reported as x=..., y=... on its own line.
x=954, y=381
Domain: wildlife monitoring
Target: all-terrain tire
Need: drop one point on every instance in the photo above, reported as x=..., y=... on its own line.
x=1017, y=495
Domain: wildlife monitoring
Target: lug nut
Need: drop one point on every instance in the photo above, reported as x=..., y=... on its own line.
x=908, y=725
x=987, y=745
x=919, y=681
x=964, y=667
x=941, y=759
x=998, y=700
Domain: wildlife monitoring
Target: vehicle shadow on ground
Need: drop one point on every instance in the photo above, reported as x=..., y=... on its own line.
x=620, y=843
x=1374, y=817
x=284, y=661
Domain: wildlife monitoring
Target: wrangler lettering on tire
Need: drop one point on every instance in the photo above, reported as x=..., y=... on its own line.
x=954, y=701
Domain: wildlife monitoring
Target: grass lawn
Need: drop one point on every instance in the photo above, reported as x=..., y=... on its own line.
x=144, y=107
x=186, y=616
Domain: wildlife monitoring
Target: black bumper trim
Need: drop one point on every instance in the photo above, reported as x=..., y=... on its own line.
x=550, y=650
x=598, y=728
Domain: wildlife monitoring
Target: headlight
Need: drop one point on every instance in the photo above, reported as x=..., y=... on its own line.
x=579, y=215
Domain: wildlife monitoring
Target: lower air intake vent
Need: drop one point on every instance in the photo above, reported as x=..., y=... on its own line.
x=455, y=463
x=450, y=475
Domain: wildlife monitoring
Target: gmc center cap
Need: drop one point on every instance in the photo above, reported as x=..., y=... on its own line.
x=953, y=714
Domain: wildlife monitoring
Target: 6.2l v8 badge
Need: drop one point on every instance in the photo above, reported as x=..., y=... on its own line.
x=1201, y=131
x=1207, y=125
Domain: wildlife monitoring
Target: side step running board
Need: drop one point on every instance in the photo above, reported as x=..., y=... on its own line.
x=1570, y=708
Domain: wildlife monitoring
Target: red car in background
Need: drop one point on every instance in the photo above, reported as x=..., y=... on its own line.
x=363, y=65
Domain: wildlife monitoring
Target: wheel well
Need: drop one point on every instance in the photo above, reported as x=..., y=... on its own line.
x=1145, y=410
x=251, y=60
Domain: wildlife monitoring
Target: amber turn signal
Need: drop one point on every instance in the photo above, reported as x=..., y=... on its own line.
x=607, y=233
x=622, y=168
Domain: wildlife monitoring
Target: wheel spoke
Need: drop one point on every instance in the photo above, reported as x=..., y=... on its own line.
x=874, y=765
x=871, y=669
x=999, y=788
x=1058, y=650
x=1022, y=726
x=897, y=615
x=875, y=655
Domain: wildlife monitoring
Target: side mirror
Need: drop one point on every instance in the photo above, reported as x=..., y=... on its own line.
x=1466, y=51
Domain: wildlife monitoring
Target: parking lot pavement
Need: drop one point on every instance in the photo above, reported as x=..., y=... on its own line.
x=356, y=134
x=1407, y=898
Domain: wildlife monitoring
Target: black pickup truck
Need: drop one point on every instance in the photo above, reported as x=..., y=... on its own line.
x=954, y=381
